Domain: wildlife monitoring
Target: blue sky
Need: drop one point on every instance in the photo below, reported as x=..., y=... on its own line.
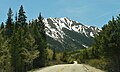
x=89, y=12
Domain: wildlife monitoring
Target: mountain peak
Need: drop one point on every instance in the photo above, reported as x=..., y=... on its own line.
x=57, y=24
x=64, y=28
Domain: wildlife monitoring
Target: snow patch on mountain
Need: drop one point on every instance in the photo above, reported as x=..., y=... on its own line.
x=54, y=28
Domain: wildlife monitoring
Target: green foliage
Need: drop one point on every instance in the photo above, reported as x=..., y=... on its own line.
x=24, y=50
x=108, y=38
x=22, y=43
x=98, y=63
x=22, y=17
x=9, y=23
x=40, y=39
x=49, y=57
x=9, y=20
x=107, y=43
x=70, y=59
x=2, y=26
x=59, y=57
x=5, y=56
x=49, y=54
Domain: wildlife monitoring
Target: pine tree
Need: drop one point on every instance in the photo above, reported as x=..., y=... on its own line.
x=16, y=21
x=24, y=50
x=22, y=46
x=29, y=50
x=107, y=42
x=41, y=25
x=5, y=56
x=40, y=40
x=15, y=48
x=9, y=23
x=22, y=17
x=49, y=54
x=40, y=18
x=9, y=20
x=2, y=25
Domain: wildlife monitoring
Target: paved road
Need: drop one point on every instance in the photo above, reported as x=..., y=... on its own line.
x=69, y=68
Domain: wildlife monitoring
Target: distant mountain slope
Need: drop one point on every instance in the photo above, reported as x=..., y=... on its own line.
x=67, y=34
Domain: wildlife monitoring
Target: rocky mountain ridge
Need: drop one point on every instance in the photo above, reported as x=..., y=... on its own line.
x=69, y=34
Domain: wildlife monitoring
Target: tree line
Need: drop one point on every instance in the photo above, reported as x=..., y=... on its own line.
x=105, y=52
x=108, y=44
x=22, y=43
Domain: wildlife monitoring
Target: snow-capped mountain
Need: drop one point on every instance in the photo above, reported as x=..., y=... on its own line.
x=68, y=34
